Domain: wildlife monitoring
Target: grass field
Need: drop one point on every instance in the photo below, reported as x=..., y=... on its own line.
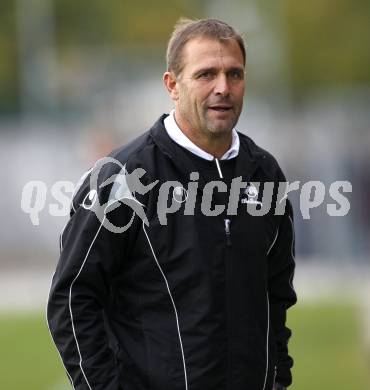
x=326, y=347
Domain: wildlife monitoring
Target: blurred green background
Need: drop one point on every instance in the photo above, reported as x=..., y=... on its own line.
x=74, y=78
x=327, y=348
x=325, y=42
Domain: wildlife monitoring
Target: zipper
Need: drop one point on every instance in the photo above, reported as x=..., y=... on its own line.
x=218, y=168
x=227, y=231
x=275, y=373
x=227, y=221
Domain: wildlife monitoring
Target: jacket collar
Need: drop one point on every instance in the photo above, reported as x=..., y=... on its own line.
x=247, y=162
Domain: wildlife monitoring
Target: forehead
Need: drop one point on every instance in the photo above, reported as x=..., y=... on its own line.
x=207, y=52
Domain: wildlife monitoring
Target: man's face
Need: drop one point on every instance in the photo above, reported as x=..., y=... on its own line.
x=209, y=91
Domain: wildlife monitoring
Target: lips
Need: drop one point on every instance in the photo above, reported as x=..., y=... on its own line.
x=221, y=107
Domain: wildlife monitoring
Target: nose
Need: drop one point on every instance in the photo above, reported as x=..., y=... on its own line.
x=221, y=85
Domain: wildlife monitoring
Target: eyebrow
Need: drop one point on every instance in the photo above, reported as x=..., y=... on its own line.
x=215, y=70
x=202, y=70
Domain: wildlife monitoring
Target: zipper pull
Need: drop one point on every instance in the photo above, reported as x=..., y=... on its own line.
x=275, y=373
x=227, y=232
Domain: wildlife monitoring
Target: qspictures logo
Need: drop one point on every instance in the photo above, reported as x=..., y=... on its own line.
x=174, y=196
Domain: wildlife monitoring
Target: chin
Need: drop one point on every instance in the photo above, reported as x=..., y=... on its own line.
x=221, y=125
x=220, y=128
x=220, y=131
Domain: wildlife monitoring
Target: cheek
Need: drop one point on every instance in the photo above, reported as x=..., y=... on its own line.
x=240, y=92
x=203, y=98
x=238, y=99
x=241, y=98
x=184, y=100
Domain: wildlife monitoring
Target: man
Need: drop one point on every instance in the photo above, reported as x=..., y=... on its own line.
x=170, y=276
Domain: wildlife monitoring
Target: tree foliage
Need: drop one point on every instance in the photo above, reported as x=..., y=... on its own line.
x=8, y=57
x=328, y=43
x=119, y=22
x=327, y=40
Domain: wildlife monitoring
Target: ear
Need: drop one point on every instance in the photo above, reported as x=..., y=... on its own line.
x=171, y=84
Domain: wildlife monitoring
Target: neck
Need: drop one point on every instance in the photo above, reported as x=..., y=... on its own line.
x=215, y=144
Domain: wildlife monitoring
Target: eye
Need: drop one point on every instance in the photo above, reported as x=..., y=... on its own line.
x=205, y=75
x=236, y=74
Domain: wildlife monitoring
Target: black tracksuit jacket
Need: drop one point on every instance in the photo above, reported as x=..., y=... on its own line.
x=196, y=304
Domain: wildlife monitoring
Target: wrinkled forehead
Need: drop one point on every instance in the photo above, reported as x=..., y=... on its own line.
x=203, y=52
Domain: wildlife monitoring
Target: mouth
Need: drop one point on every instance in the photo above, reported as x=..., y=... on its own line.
x=221, y=108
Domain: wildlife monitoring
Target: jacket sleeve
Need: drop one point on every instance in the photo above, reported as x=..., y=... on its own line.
x=281, y=291
x=78, y=303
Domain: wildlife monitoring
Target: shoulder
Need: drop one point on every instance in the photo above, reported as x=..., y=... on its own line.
x=266, y=161
x=113, y=167
x=141, y=151
x=134, y=150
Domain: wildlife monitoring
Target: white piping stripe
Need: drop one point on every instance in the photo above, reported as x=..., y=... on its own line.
x=46, y=312
x=70, y=299
x=61, y=237
x=78, y=186
x=268, y=301
x=219, y=168
x=173, y=304
x=51, y=335
x=273, y=242
x=267, y=340
x=291, y=251
x=70, y=290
